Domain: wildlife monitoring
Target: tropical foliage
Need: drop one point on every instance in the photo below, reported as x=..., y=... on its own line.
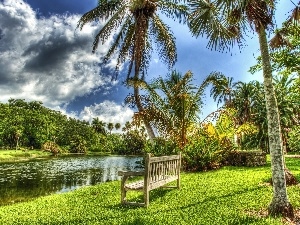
x=137, y=29
x=172, y=105
x=248, y=110
x=31, y=125
x=294, y=139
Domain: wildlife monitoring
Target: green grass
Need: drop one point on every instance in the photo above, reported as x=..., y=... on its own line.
x=19, y=155
x=225, y=196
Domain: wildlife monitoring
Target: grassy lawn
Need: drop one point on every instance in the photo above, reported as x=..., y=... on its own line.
x=19, y=155
x=231, y=195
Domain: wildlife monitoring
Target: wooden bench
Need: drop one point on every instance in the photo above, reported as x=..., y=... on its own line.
x=159, y=171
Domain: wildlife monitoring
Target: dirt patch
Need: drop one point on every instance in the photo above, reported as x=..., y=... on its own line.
x=263, y=213
x=265, y=184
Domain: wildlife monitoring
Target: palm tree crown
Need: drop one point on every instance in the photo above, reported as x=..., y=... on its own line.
x=222, y=87
x=225, y=22
x=137, y=27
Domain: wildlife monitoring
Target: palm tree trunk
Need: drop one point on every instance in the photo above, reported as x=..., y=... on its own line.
x=280, y=204
x=141, y=109
x=139, y=47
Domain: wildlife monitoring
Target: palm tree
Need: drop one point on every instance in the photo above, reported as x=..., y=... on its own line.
x=117, y=126
x=136, y=27
x=287, y=104
x=173, y=105
x=243, y=100
x=222, y=88
x=127, y=126
x=110, y=127
x=99, y=126
x=257, y=112
x=249, y=103
x=224, y=23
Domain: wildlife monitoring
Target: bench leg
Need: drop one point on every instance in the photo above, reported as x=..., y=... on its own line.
x=178, y=183
x=123, y=195
x=123, y=190
x=146, y=198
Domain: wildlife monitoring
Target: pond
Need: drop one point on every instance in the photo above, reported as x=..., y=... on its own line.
x=26, y=180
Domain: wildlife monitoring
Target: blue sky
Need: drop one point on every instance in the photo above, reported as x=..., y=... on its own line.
x=43, y=57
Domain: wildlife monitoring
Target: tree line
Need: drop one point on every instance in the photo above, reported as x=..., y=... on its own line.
x=30, y=125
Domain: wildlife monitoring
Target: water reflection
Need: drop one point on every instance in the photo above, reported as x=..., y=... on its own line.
x=26, y=180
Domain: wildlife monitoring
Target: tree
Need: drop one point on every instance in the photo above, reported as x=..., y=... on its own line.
x=222, y=87
x=127, y=126
x=224, y=23
x=285, y=46
x=99, y=126
x=173, y=105
x=110, y=127
x=117, y=126
x=137, y=27
x=243, y=100
x=285, y=50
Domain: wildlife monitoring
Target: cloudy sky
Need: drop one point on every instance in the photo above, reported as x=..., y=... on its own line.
x=44, y=57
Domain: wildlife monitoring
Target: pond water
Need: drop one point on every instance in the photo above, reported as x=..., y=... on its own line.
x=26, y=180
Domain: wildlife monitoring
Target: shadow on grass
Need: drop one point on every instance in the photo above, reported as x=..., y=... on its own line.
x=244, y=220
x=212, y=199
x=239, y=218
x=247, y=168
x=154, y=194
x=161, y=192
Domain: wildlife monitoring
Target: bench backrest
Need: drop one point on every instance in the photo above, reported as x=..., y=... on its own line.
x=161, y=170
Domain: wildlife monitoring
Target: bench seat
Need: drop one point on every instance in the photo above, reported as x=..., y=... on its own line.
x=139, y=185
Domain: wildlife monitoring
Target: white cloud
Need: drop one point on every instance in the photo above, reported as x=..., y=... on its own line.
x=107, y=111
x=46, y=59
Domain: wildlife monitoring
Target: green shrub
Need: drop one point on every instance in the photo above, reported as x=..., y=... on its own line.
x=134, y=142
x=78, y=145
x=52, y=147
x=294, y=139
x=246, y=158
x=202, y=154
x=160, y=146
x=115, y=143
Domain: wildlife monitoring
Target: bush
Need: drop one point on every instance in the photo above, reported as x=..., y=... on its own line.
x=160, y=146
x=78, y=145
x=247, y=158
x=52, y=147
x=115, y=143
x=202, y=154
x=134, y=142
x=206, y=149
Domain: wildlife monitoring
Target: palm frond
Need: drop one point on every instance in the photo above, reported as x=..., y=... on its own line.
x=164, y=41
x=119, y=39
x=104, y=10
x=173, y=10
x=205, y=20
x=146, y=58
x=111, y=25
x=259, y=13
x=295, y=16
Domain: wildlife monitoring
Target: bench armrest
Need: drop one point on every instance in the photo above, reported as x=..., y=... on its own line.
x=131, y=173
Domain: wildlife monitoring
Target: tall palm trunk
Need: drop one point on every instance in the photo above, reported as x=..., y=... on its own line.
x=139, y=48
x=141, y=109
x=280, y=203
